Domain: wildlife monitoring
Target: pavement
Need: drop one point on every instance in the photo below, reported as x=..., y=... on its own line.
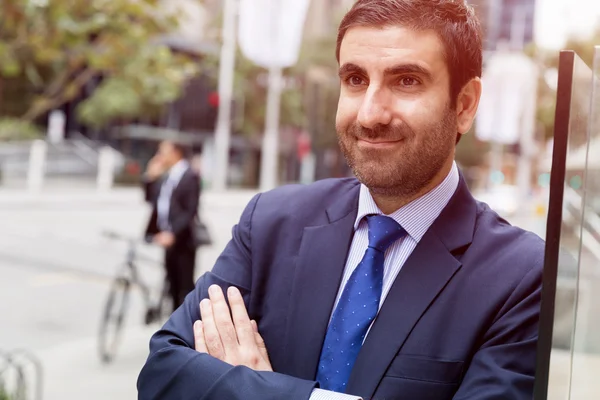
x=55, y=268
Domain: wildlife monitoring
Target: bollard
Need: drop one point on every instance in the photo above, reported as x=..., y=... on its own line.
x=21, y=376
x=106, y=168
x=37, y=166
x=308, y=167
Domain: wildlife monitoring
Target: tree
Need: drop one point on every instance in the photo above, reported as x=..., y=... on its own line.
x=60, y=46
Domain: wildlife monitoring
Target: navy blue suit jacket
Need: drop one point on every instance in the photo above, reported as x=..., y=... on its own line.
x=460, y=321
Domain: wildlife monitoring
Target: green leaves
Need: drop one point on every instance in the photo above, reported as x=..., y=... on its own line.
x=73, y=41
x=14, y=129
x=116, y=97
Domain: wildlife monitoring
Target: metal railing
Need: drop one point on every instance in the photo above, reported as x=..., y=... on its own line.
x=85, y=148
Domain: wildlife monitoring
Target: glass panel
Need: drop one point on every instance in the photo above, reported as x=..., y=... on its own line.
x=569, y=251
x=585, y=376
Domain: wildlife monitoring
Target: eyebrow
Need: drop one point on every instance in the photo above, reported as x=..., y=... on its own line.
x=409, y=69
x=401, y=69
x=350, y=68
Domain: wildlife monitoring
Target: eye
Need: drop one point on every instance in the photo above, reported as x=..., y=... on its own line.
x=354, y=80
x=409, y=81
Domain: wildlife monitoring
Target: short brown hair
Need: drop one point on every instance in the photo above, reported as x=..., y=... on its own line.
x=453, y=20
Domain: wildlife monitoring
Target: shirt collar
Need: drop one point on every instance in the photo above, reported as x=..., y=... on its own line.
x=417, y=216
x=177, y=170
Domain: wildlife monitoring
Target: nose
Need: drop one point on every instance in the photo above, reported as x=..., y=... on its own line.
x=375, y=108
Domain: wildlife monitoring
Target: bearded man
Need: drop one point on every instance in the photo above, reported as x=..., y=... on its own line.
x=395, y=285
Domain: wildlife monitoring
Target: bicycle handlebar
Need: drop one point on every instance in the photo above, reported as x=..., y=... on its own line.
x=117, y=236
x=133, y=241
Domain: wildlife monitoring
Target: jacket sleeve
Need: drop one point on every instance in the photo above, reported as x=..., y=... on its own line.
x=504, y=366
x=151, y=190
x=175, y=371
x=190, y=198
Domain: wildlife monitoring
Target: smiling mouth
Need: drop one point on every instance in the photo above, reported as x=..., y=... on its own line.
x=378, y=143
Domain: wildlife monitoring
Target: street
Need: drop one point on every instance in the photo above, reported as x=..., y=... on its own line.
x=56, y=266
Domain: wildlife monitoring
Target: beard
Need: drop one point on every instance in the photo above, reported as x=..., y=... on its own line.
x=410, y=165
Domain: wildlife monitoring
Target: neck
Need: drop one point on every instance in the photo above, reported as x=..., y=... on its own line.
x=176, y=162
x=388, y=203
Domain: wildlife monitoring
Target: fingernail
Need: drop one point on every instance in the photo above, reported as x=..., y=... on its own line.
x=213, y=290
x=205, y=303
x=254, y=325
x=233, y=292
x=197, y=326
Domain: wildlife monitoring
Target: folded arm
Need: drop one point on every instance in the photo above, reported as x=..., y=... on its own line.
x=151, y=189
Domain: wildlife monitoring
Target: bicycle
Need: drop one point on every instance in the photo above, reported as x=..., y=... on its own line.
x=117, y=302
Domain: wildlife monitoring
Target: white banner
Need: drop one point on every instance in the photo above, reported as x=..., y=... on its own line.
x=270, y=31
x=508, y=100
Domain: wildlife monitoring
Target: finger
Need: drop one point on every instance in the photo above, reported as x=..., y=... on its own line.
x=199, y=342
x=212, y=339
x=222, y=317
x=260, y=343
x=241, y=321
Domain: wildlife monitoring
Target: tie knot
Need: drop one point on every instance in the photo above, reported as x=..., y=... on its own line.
x=383, y=231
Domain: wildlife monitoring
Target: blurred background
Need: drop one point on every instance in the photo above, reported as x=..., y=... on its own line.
x=89, y=89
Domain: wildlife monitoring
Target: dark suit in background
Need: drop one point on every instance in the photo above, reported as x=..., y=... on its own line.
x=459, y=323
x=180, y=258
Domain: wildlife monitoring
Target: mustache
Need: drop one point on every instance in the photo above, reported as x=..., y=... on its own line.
x=381, y=132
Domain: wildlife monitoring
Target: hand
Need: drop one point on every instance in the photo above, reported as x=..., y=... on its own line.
x=164, y=239
x=156, y=167
x=235, y=341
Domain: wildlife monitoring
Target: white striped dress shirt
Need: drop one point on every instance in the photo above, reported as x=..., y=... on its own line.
x=166, y=191
x=416, y=218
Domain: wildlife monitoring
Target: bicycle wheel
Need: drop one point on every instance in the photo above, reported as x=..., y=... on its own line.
x=113, y=317
x=161, y=311
x=166, y=303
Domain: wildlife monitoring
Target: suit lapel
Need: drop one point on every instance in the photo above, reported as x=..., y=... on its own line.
x=420, y=281
x=319, y=269
x=181, y=182
x=178, y=187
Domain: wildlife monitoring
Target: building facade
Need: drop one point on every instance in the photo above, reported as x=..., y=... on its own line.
x=509, y=21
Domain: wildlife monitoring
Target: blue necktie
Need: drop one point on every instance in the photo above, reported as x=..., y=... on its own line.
x=357, y=307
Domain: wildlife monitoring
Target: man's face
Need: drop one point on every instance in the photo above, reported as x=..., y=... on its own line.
x=394, y=121
x=168, y=154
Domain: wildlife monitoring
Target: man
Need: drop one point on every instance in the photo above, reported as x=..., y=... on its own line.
x=174, y=197
x=398, y=285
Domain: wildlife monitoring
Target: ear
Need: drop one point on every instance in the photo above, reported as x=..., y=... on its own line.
x=466, y=106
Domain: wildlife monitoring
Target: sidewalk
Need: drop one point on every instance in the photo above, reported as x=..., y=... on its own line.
x=116, y=196
x=73, y=371
x=52, y=251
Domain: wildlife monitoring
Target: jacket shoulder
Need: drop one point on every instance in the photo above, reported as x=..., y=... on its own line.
x=324, y=191
x=514, y=245
x=303, y=203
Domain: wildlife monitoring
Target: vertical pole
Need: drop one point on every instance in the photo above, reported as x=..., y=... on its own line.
x=270, y=148
x=106, y=168
x=226, y=75
x=37, y=166
x=527, y=124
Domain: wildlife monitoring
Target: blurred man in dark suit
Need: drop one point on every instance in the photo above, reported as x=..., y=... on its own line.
x=173, y=190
